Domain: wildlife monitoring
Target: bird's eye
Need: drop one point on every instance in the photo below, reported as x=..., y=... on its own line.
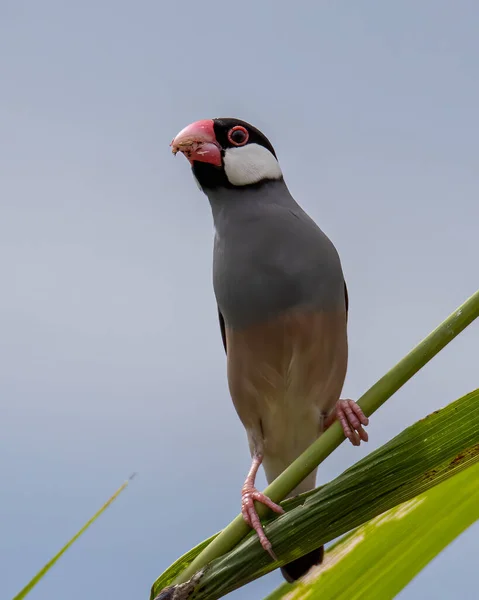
x=238, y=136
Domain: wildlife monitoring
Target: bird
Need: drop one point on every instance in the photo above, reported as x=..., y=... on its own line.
x=282, y=308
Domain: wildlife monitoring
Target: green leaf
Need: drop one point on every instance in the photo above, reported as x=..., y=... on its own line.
x=419, y=458
x=226, y=540
x=381, y=557
x=44, y=570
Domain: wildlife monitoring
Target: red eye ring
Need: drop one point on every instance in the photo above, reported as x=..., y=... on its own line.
x=238, y=142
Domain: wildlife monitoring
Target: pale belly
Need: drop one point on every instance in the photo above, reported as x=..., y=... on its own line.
x=283, y=376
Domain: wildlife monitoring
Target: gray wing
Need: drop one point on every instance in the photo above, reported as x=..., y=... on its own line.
x=222, y=327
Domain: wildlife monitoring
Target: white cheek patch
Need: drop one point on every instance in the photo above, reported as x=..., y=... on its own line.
x=249, y=164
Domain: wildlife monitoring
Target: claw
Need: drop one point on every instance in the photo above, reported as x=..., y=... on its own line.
x=352, y=419
x=250, y=495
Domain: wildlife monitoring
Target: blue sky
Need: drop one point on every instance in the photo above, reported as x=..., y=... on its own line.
x=111, y=358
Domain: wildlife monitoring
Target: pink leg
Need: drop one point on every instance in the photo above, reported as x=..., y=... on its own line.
x=352, y=419
x=248, y=496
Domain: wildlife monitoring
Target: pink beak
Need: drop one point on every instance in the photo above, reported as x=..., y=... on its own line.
x=198, y=143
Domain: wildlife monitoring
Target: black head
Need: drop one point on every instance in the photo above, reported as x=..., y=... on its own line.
x=227, y=152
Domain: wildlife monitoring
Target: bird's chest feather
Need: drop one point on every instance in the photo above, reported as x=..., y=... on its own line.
x=250, y=284
x=284, y=373
x=267, y=264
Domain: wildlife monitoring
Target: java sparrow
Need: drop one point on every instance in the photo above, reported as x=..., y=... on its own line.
x=282, y=307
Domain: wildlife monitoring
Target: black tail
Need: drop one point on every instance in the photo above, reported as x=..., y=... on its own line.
x=299, y=567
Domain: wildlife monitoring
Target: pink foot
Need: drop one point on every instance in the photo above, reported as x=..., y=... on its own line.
x=352, y=419
x=249, y=494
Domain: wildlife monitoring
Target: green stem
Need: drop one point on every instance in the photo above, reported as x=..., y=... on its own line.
x=332, y=438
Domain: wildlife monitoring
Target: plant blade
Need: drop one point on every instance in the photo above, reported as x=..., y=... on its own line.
x=381, y=391
x=381, y=557
x=44, y=570
x=420, y=457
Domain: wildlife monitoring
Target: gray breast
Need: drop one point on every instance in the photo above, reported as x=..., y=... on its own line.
x=269, y=258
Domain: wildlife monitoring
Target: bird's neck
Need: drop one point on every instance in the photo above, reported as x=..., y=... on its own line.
x=233, y=202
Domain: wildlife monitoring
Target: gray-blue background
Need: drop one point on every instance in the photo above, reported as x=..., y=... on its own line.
x=110, y=354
